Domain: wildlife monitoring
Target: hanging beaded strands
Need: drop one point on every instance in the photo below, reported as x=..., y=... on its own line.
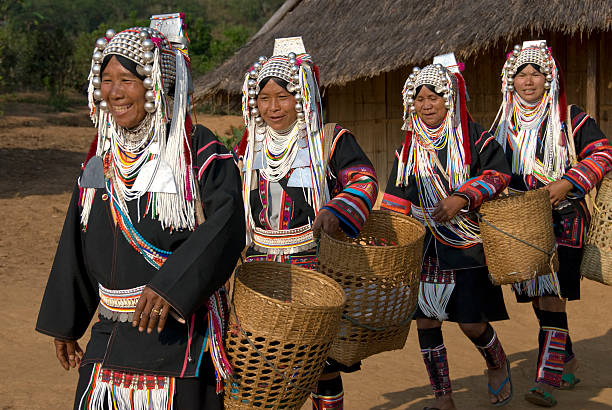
x=143, y=160
x=520, y=123
x=419, y=152
x=276, y=151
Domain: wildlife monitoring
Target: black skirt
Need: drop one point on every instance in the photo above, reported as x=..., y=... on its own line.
x=568, y=275
x=474, y=300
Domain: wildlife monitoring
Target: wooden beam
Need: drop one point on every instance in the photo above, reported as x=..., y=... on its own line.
x=591, y=81
x=276, y=17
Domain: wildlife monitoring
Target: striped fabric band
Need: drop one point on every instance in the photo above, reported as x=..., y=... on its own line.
x=396, y=204
x=283, y=241
x=552, y=356
x=118, y=304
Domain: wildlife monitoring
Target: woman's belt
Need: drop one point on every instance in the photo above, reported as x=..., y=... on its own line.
x=284, y=241
x=118, y=304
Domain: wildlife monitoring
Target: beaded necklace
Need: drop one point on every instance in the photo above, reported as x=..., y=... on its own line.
x=280, y=148
x=460, y=232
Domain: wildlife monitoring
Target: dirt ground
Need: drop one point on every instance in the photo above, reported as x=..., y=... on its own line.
x=40, y=153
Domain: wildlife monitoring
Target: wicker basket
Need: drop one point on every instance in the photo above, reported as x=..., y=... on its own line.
x=381, y=283
x=597, y=257
x=518, y=237
x=282, y=326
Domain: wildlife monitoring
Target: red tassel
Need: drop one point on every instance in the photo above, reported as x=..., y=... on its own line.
x=93, y=147
x=315, y=69
x=243, y=143
x=406, y=146
x=464, y=118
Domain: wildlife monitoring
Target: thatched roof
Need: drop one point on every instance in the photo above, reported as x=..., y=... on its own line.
x=362, y=38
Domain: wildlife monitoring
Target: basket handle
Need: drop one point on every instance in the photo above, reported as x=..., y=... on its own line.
x=549, y=253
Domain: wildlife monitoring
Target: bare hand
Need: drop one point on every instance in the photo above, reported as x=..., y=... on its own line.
x=558, y=190
x=151, y=309
x=326, y=220
x=448, y=207
x=68, y=352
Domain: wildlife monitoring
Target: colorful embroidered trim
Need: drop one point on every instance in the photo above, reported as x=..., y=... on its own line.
x=396, y=204
x=436, y=363
x=127, y=391
x=320, y=402
x=552, y=355
x=118, y=304
x=283, y=241
x=493, y=353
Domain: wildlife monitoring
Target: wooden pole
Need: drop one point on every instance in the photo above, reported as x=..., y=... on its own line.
x=591, y=81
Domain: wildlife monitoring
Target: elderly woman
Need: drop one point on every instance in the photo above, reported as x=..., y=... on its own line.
x=558, y=148
x=299, y=176
x=448, y=166
x=136, y=244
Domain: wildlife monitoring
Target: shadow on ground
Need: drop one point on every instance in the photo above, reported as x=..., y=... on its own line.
x=594, y=373
x=37, y=171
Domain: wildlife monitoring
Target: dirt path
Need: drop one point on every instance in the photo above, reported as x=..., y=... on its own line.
x=39, y=159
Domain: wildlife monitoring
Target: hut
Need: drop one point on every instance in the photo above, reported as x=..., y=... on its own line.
x=366, y=49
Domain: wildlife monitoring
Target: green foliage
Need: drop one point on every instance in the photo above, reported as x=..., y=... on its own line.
x=231, y=141
x=48, y=43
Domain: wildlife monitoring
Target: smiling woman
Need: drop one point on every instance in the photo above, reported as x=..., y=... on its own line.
x=136, y=247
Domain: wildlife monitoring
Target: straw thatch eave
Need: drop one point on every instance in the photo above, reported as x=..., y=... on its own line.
x=363, y=38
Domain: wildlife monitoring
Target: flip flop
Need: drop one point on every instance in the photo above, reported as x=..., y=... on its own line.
x=539, y=397
x=508, y=379
x=570, y=379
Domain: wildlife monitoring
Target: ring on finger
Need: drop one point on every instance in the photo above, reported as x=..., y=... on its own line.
x=156, y=311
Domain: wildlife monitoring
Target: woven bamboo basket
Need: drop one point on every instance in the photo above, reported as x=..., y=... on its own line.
x=597, y=257
x=518, y=237
x=282, y=326
x=381, y=283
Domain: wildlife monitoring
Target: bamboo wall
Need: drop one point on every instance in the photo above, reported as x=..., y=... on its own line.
x=372, y=108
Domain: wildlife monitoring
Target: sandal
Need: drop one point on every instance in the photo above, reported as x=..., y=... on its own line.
x=539, y=397
x=570, y=379
x=508, y=379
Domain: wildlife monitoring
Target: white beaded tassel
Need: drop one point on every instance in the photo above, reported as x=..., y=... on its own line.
x=177, y=210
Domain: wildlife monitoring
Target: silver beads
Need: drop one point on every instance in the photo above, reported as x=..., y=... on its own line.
x=101, y=43
x=295, y=78
x=252, y=93
x=254, y=112
x=148, y=83
x=96, y=69
x=97, y=94
x=143, y=35
x=97, y=56
x=510, y=88
x=510, y=80
x=549, y=77
x=301, y=116
x=262, y=59
x=410, y=101
x=252, y=102
x=96, y=82
x=416, y=70
x=298, y=97
x=147, y=70
x=103, y=105
x=251, y=83
x=259, y=120
x=447, y=105
x=299, y=107
x=547, y=85
x=110, y=33
x=148, y=45
x=257, y=66
x=148, y=57
x=149, y=107
x=253, y=74
x=150, y=95
x=291, y=56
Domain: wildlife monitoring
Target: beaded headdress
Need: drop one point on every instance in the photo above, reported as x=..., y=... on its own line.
x=165, y=66
x=551, y=107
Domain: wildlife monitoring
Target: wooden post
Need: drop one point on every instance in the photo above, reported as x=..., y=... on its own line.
x=591, y=81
